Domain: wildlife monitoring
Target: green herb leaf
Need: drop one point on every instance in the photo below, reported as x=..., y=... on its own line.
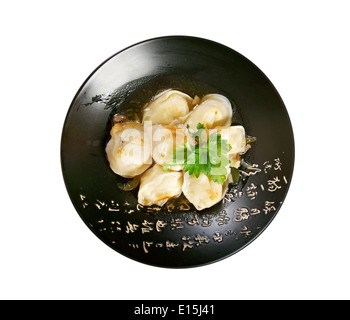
x=209, y=157
x=235, y=176
x=200, y=126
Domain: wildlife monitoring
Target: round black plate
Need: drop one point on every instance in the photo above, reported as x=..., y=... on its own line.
x=176, y=235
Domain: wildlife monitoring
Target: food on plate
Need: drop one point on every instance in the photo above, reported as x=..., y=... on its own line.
x=236, y=137
x=203, y=192
x=164, y=140
x=158, y=186
x=129, y=150
x=183, y=145
x=168, y=107
x=214, y=110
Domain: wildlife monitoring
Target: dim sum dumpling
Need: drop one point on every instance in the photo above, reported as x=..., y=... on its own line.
x=203, y=192
x=129, y=150
x=158, y=186
x=165, y=139
x=214, y=110
x=167, y=107
x=235, y=135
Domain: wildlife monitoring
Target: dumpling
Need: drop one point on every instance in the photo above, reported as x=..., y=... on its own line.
x=168, y=107
x=158, y=186
x=129, y=150
x=235, y=135
x=165, y=139
x=214, y=110
x=203, y=192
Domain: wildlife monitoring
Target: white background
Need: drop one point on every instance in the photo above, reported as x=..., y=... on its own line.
x=49, y=48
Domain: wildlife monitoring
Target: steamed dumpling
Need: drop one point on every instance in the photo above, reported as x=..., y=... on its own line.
x=165, y=139
x=158, y=186
x=129, y=151
x=169, y=106
x=203, y=192
x=214, y=110
x=235, y=135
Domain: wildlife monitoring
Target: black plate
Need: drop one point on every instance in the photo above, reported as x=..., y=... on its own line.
x=176, y=235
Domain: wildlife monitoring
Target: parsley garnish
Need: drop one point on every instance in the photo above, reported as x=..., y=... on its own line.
x=209, y=157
